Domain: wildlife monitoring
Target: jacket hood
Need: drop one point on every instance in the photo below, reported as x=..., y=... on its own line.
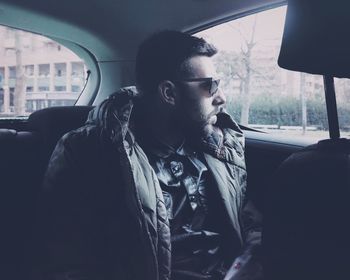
x=113, y=114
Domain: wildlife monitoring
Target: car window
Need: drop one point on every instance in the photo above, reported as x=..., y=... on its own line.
x=260, y=94
x=35, y=73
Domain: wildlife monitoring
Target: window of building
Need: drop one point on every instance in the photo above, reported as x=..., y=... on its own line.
x=43, y=88
x=60, y=88
x=78, y=69
x=45, y=72
x=29, y=89
x=12, y=72
x=29, y=70
x=259, y=93
x=77, y=76
x=2, y=75
x=29, y=106
x=60, y=69
x=12, y=97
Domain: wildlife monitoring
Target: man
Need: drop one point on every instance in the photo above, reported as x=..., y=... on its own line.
x=153, y=186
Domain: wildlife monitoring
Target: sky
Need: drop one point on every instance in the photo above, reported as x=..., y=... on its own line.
x=230, y=35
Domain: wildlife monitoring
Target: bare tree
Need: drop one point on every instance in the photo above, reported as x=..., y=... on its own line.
x=303, y=102
x=19, y=94
x=246, y=70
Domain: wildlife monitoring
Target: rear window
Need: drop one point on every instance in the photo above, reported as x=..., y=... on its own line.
x=35, y=73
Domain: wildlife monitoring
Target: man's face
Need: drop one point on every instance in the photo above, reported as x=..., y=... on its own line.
x=196, y=107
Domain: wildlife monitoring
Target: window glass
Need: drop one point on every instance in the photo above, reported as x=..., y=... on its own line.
x=259, y=93
x=342, y=89
x=35, y=73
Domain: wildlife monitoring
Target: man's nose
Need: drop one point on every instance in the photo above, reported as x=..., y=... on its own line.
x=220, y=98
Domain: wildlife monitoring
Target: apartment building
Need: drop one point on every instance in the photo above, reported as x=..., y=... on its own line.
x=36, y=72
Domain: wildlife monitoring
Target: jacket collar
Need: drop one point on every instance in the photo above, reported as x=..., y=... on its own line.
x=226, y=145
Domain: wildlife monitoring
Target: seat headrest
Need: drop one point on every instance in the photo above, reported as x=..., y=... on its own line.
x=56, y=121
x=316, y=37
x=339, y=144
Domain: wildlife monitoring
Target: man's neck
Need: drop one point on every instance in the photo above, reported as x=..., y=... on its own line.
x=158, y=124
x=167, y=133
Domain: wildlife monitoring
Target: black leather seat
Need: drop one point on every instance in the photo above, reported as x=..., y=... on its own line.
x=23, y=159
x=18, y=154
x=306, y=224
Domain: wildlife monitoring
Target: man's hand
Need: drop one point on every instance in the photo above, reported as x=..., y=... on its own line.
x=245, y=267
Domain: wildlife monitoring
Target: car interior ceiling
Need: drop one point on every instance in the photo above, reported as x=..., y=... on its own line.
x=71, y=20
x=281, y=175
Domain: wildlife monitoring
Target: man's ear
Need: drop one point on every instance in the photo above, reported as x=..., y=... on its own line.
x=167, y=92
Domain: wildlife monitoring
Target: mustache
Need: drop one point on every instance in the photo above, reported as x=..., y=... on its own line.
x=218, y=111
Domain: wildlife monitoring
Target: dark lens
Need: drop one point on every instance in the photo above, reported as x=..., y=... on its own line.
x=214, y=86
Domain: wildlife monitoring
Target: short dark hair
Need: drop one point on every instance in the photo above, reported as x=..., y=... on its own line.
x=160, y=57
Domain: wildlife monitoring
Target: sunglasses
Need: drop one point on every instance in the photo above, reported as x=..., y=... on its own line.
x=213, y=85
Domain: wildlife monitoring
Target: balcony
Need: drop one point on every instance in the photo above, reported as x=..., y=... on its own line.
x=60, y=81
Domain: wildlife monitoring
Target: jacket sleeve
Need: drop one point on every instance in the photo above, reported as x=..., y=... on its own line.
x=250, y=217
x=248, y=265
x=71, y=213
x=252, y=226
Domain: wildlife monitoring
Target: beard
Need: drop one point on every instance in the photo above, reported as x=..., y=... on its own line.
x=196, y=128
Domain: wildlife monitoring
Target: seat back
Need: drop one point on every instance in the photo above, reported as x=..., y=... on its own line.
x=306, y=224
x=23, y=160
x=18, y=155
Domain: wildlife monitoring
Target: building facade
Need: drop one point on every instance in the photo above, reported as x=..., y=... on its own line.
x=36, y=72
